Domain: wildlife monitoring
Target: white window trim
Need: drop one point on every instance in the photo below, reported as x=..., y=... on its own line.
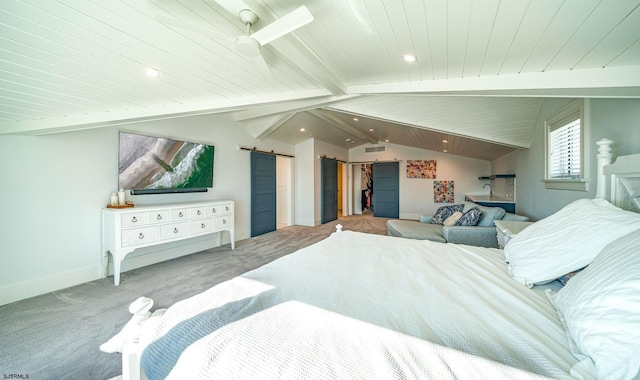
x=581, y=184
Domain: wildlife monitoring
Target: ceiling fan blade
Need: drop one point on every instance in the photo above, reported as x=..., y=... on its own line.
x=286, y=24
x=174, y=22
x=263, y=67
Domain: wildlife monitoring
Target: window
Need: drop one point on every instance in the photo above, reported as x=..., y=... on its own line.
x=564, y=151
x=565, y=164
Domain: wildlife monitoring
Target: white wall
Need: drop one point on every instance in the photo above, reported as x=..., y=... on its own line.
x=416, y=194
x=304, y=184
x=54, y=186
x=616, y=119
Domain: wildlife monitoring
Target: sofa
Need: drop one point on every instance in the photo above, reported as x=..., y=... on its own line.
x=483, y=234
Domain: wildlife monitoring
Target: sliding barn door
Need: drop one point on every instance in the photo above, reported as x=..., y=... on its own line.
x=329, y=192
x=386, y=190
x=263, y=193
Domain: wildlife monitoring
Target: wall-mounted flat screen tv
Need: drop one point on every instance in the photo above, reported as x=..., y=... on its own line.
x=154, y=165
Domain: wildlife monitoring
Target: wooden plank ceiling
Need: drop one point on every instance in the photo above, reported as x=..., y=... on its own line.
x=482, y=69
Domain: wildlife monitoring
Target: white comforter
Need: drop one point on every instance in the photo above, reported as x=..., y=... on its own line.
x=364, y=306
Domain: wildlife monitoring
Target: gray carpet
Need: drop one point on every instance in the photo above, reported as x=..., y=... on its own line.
x=57, y=335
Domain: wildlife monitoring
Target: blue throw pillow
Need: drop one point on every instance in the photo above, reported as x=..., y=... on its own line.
x=444, y=212
x=470, y=218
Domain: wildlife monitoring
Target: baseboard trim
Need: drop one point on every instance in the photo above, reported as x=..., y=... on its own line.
x=21, y=291
x=28, y=289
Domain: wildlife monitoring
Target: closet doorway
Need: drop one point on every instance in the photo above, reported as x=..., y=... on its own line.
x=271, y=192
x=386, y=191
x=284, y=192
x=375, y=189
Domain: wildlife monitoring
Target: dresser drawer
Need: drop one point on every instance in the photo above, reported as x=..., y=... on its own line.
x=223, y=222
x=223, y=209
x=180, y=214
x=198, y=212
x=137, y=236
x=160, y=216
x=174, y=230
x=130, y=219
x=201, y=226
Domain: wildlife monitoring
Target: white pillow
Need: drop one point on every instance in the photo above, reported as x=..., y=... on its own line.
x=567, y=240
x=450, y=221
x=601, y=309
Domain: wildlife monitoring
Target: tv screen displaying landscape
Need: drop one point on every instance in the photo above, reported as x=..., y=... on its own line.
x=157, y=163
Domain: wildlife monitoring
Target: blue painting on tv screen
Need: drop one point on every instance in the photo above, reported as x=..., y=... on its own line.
x=158, y=164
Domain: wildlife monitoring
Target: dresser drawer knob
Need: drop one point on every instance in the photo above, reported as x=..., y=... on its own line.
x=159, y=217
x=213, y=210
x=203, y=226
x=175, y=230
x=134, y=219
x=180, y=214
x=224, y=221
x=198, y=212
x=227, y=208
x=141, y=236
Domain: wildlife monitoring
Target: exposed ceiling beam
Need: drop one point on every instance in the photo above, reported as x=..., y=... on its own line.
x=298, y=106
x=292, y=50
x=336, y=122
x=79, y=122
x=297, y=54
x=578, y=80
x=263, y=127
x=612, y=93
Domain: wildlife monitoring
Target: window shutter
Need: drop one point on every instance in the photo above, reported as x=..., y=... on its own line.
x=564, y=150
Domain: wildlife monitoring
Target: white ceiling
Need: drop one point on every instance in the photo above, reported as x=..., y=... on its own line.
x=483, y=67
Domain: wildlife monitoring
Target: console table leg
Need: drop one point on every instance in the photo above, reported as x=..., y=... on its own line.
x=116, y=270
x=105, y=263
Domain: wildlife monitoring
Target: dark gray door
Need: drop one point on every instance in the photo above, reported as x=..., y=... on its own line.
x=386, y=190
x=263, y=193
x=329, y=192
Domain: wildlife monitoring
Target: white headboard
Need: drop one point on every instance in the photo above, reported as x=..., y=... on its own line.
x=618, y=182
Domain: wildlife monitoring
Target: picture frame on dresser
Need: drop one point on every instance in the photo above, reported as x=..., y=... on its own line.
x=125, y=230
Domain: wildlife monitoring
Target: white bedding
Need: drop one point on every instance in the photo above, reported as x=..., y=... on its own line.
x=364, y=306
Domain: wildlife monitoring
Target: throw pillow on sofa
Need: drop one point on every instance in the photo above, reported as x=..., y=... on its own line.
x=489, y=214
x=444, y=212
x=470, y=218
x=453, y=219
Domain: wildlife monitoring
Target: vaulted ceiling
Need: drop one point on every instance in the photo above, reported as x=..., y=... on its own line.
x=483, y=66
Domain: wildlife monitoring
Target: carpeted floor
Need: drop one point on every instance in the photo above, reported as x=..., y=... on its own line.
x=57, y=335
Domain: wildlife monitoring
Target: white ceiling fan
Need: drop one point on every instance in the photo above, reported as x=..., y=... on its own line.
x=250, y=45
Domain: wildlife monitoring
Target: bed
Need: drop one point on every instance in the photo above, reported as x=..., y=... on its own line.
x=363, y=306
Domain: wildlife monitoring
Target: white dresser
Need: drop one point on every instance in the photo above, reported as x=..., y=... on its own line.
x=124, y=230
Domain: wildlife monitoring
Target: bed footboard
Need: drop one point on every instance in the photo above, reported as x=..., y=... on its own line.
x=131, y=362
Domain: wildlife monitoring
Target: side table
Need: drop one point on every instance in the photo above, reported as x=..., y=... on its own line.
x=506, y=229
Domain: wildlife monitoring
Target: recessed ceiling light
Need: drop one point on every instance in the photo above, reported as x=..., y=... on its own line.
x=445, y=141
x=386, y=140
x=151, y=72
x=370, y=129
x=409, y=58
x=347, y=140
x=444, y=150
x=302, y=129
x=355, y=119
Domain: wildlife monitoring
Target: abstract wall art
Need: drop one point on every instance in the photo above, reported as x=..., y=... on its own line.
x=421, y=168
x=443, y=192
